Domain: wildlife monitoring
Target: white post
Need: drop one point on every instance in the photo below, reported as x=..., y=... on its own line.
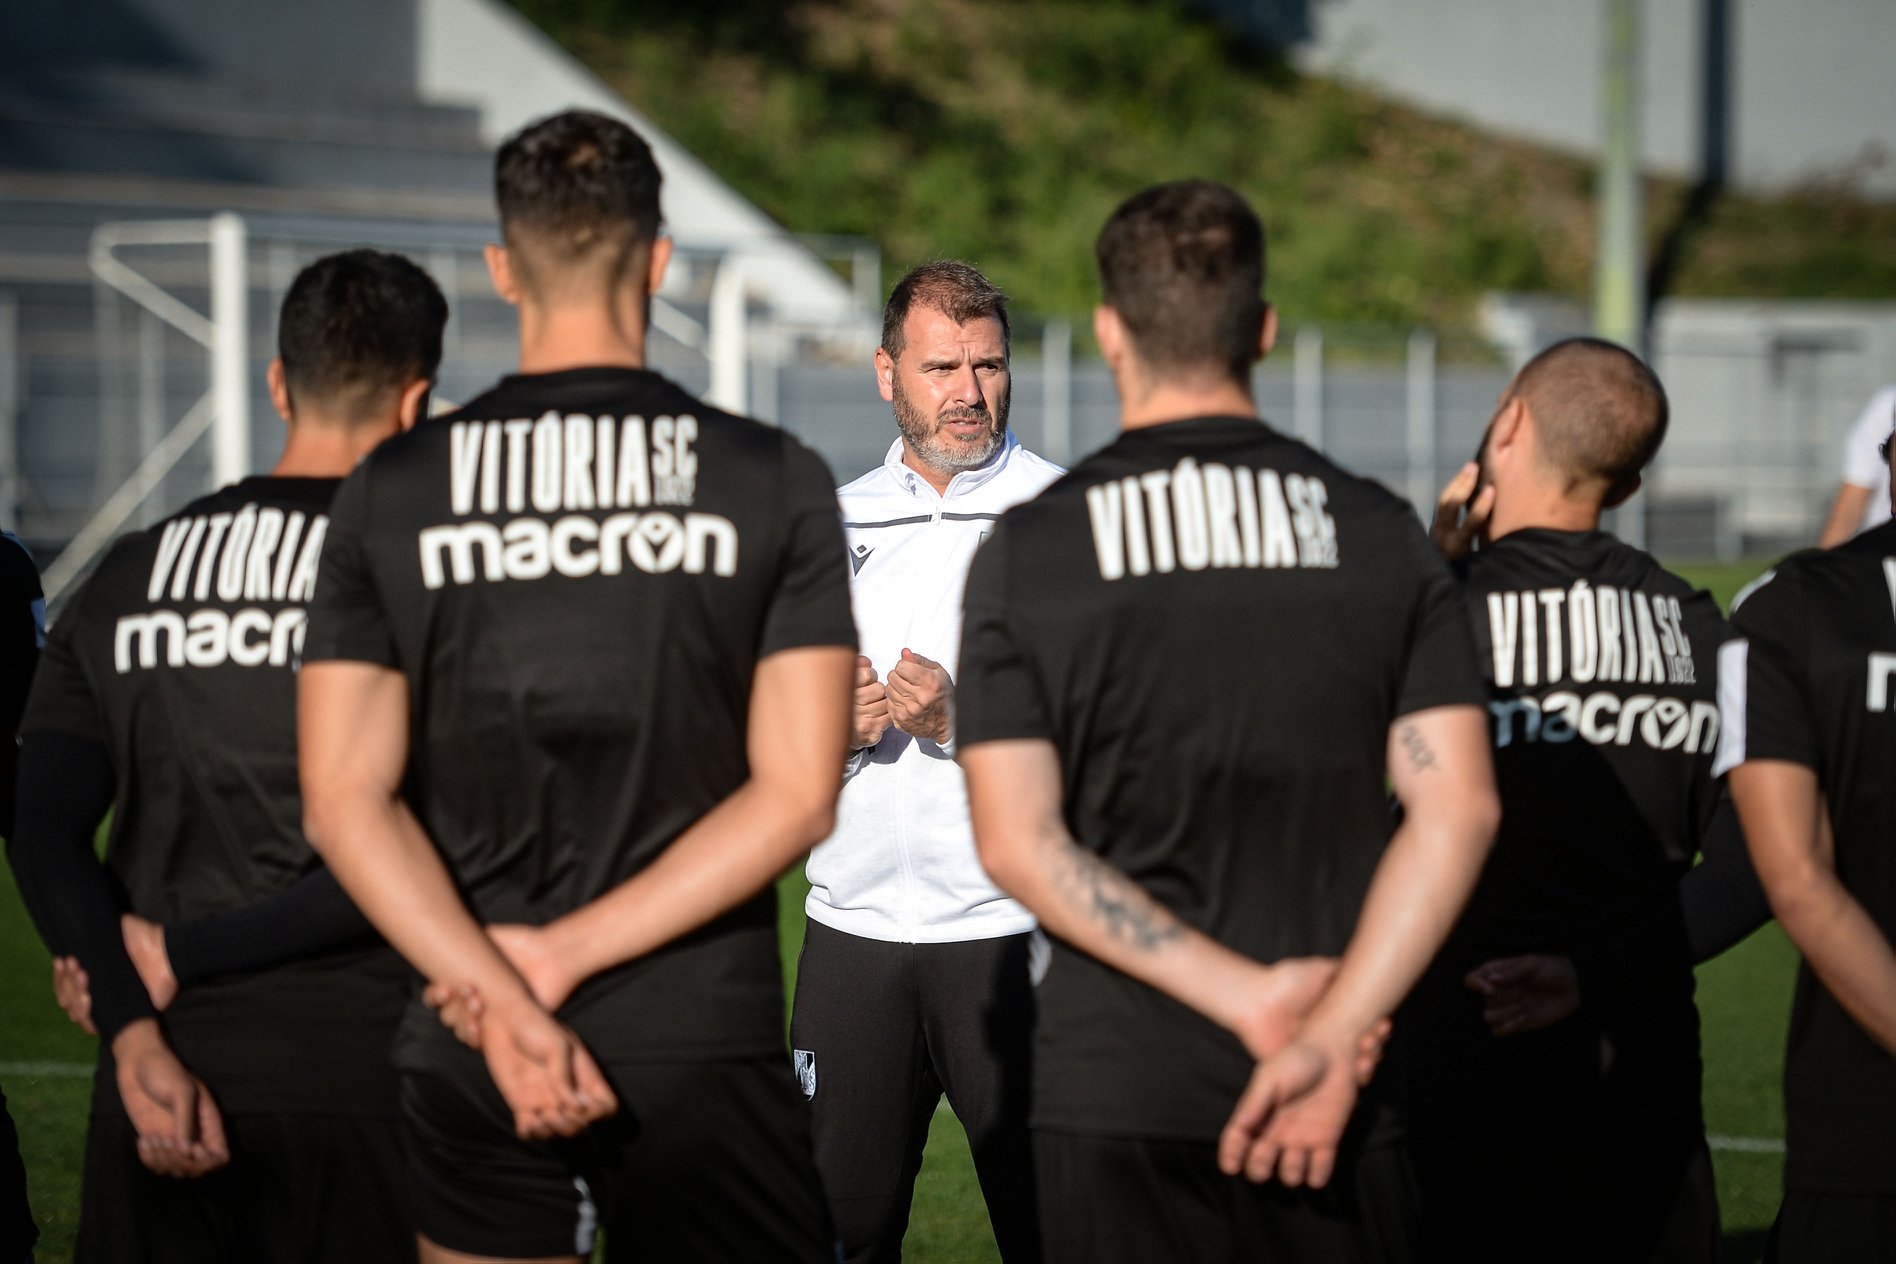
x=1308, y=352
x=1421, y=421
x=729, y=339
x=1056, y=388
x=230, y=350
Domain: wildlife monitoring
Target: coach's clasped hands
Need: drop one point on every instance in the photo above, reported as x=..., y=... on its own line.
x=917, y=697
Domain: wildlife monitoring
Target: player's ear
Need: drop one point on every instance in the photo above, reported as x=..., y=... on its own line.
x=1267, y=332
x=1509, y=427
x=413, y=405
x=885, y=374
x=660, y=260
x=500, y=270
x=1110, y=332
x=279, y=390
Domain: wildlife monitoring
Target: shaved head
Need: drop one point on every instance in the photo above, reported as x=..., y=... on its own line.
x=1599, y=412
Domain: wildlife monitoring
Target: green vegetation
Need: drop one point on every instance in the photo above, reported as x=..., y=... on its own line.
x=1004, y=132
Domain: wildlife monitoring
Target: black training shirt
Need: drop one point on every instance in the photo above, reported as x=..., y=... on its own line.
x=1810, y=678
x=578, y=573
x=1216, y=627
x=1603, y=705
x=178, y=658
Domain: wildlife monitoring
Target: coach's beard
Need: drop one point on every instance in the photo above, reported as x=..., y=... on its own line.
x=941, y=452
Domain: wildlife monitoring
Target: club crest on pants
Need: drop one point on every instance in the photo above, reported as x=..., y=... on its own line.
x=805, y=1062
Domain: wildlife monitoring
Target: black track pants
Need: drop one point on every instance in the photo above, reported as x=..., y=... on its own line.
x=882, y=1030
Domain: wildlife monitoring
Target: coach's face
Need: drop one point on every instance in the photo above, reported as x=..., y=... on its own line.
x=949, y=388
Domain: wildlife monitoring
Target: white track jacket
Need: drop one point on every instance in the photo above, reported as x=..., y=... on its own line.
x=901, y=865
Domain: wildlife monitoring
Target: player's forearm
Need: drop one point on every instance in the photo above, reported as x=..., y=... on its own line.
x=379, y=853
x=310, y=917
x=1845, y=948
x=1846, y=515
x=730, y=854
x=1093, y=906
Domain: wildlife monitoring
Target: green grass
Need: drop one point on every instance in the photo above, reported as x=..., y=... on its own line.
x=1744, y=998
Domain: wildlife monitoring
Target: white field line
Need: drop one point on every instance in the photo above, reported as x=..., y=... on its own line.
x=44, y=1071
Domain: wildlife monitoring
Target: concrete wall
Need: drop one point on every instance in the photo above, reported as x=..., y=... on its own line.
x=1765, y=92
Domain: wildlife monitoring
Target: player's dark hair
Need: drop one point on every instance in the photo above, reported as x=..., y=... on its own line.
x=1600, y=412
x=1882, y=449
x=574, y=184
x=356, y=325
x=1183, y=265
x=955, y=289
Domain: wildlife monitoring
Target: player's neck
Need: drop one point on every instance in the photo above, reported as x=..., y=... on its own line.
x=317, y=450
x=1544, y=508
x=580, y=336
x=1155, y=403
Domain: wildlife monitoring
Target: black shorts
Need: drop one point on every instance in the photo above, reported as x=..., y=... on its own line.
x=1110, y=1199
x=1833, y=1229
x=703, y=1161
x=299, y=1189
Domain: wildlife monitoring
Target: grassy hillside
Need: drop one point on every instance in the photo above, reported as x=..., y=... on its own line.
x=1004, y=131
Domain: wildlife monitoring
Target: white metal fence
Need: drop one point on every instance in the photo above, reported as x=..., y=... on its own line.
x=105, y=418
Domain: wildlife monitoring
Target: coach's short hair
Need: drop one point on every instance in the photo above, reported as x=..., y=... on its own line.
x=357, y=324
x=957, y=290
x=573, y=184
x=1600, y=412
x=1183, y=265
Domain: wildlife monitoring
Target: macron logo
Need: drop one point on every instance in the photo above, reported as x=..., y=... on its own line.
x=859, y=558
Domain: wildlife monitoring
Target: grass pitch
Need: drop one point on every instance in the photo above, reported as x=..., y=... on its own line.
x=1744, y=1000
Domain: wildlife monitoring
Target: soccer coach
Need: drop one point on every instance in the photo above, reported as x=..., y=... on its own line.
x=1190, y=670
x=913, y=979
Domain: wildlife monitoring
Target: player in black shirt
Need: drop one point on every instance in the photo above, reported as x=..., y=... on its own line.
x=22, y=630
x=1189, y=670
x=167, y=690
x=579, y=671
x=1584, y=1138
x=1808, y=691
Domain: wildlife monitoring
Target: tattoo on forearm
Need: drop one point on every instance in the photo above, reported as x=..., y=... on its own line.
x=1417, y=747
x=1110, y=898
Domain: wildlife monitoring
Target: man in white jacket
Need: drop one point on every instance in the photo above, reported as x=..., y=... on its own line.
x=914, y=976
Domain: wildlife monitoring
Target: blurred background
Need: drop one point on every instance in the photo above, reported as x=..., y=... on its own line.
x=1447, y=187
x=1442, y=184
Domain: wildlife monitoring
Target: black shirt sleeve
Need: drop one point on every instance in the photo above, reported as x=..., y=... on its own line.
x=22, y=632
x=347, y=619
x=810, y=605
x=1763, y=693
x=66, y=785
x=1441, y=669
x=309, y=917
x=999, y=696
